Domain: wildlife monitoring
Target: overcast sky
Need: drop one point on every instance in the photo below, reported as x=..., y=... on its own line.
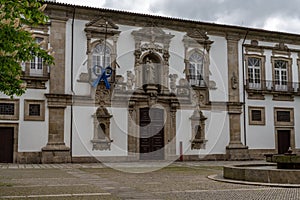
x=276, y=15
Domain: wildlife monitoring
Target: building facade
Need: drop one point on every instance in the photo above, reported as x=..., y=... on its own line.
x=128, y=87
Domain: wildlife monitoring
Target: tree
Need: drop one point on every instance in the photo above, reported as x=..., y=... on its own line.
x=17, y=43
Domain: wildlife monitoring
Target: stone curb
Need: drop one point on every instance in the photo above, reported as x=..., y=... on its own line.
x=220, y=178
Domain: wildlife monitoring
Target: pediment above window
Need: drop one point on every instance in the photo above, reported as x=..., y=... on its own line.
x=101, y=26
x=196, y=37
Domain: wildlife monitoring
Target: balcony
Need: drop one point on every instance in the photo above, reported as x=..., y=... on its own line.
x=279, y=90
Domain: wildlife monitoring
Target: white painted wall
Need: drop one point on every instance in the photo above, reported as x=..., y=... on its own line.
x=219, y=69
x=217, y=135
x=83, y=132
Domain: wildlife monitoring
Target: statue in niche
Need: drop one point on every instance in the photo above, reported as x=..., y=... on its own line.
x=198, y=132
x=150, y=69
x=173, y=78
x=234, y=81
x=130, y=80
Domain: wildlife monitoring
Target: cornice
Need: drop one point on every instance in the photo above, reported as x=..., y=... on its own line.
x=184, y=25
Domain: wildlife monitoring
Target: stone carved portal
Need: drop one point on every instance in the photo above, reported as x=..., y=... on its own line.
x=152, y=126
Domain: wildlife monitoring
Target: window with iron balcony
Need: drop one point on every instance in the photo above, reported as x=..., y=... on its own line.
x=280, y=85
x=35, y=72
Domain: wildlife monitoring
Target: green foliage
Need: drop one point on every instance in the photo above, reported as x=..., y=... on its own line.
x=17, y=44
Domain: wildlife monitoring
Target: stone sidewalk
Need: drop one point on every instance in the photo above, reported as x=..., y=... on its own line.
x=180, y=180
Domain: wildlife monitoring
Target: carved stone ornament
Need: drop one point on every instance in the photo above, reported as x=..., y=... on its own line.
x=101, y=140
x=234, y=81
x=103, y=95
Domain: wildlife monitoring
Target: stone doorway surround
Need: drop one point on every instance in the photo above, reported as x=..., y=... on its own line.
x=152, y=99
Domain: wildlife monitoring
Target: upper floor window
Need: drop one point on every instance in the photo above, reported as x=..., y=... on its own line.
x=280, y=74
x=101, y=55
x=196, y=69
x=36, y=64
x=254, y=72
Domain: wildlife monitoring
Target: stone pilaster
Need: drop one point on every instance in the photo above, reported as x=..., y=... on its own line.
x=57, y=40
x=235, y=149
x=56, y=151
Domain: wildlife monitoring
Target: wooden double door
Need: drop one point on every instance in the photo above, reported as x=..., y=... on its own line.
x=151, y=134
x=6, y=144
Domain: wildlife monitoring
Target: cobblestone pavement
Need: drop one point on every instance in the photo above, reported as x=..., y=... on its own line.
x=180, y=180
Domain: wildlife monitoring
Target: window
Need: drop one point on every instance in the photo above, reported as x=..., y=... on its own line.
x=284, y=116
x=254, y=72
x=36, y=64
x=35, y=73
x=196, y=69
x=280, y=74
x=34, y=110
x=99, y=53
x=256, y=115
x=9, y=109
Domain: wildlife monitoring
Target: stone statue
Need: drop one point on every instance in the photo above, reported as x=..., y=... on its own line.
x=130, y=80
x=150, y=69
x=173, y=78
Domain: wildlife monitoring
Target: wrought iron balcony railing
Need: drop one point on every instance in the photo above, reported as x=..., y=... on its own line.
x=273, y=86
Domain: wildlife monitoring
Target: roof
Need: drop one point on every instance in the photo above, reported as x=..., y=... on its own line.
x=233, y=27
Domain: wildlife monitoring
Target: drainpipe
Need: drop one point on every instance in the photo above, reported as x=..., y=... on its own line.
x=244, y=90
x=72, y=89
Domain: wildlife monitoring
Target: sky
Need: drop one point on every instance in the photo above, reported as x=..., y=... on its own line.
x=274, y=15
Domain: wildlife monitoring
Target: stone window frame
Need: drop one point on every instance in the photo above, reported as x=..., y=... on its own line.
x=298, y=63
x=15, y=126
x=27, y=103
x=289, y=68
x=16, y=103
x=37, y=81
x=263, y=115
x=205, y=67
x=277, y=123
x=197, y=39
x=262, y=67
x=91, y=55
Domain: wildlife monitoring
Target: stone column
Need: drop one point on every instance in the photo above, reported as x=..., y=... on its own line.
x=56, y=151
x=235, y=149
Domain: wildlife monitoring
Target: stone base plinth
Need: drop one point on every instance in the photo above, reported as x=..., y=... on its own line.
x=56, y=153
x=237, y=152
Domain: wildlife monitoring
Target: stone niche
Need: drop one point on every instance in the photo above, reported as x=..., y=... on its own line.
x=198, y=130
x=101, y=140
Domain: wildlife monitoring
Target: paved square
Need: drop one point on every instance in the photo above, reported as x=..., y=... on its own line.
x=180, y=180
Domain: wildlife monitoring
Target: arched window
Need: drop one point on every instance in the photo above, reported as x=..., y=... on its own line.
x=100, y=52
x=196, y=69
